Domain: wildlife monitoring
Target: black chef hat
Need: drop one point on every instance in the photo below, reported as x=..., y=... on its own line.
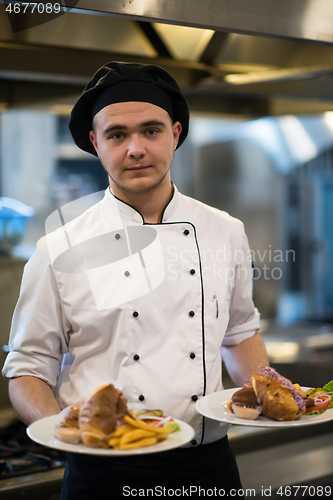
x=122, y=82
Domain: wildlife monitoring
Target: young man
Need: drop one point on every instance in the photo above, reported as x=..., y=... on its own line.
x=152, y=284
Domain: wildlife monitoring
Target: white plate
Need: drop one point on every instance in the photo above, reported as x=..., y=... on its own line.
x=215, y=406
x=42, y=432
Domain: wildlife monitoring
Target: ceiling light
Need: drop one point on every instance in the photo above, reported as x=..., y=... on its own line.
x=276, y=75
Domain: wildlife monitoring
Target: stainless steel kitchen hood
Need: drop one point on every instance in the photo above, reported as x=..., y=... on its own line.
x=310, y=20
x=246, y=58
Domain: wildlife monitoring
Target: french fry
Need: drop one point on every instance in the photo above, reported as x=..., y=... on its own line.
x=137, y=444
x=161, y=437
x=142, y=425
x=133, y=415
x=135, y=435
x=122, y=429
x=114, y=441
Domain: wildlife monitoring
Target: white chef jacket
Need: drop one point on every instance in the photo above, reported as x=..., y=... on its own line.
x=150, y=319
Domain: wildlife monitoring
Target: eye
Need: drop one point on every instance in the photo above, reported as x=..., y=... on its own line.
x=117, y=136
x=152, y=131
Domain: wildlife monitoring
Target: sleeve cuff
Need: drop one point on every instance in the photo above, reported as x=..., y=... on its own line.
x=237, y=334
x=18, y=364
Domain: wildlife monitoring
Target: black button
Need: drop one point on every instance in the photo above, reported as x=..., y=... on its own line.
x=193, y=442
x=135, y=314
x=127, y=273
x=136, y=357
x=186, y=232
x=141, y=397
x=192, y=355
x=117, y=236
x=192, y=271
x=194, y=398
x=191, y=313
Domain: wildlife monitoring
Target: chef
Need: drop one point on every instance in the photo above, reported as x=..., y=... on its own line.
x=144, y=289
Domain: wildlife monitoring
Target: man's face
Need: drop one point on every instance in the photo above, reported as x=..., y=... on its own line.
x=135, y=142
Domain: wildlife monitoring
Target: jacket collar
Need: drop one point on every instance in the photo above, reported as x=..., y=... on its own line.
x=131, y=214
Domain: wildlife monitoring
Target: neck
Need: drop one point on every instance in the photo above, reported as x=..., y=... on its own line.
x=150, y=205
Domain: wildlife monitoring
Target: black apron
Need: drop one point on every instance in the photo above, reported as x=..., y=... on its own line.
x=175, y=473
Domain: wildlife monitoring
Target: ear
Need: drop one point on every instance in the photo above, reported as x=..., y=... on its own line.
x=177, y=128
x=93, y=140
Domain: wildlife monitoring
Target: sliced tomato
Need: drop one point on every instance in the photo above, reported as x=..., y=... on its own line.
x=151, y=421
x=321, y=402
x=154, y=422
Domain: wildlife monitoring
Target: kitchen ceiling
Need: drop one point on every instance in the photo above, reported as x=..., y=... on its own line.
x=231, y=57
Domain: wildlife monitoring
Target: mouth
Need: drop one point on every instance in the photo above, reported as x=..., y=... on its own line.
x=138, y=168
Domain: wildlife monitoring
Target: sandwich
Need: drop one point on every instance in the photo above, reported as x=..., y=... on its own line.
x=277, y=397
x=93, y=421
x=100, y=415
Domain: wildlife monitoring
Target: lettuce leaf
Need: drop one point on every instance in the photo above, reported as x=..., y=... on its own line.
x=173, y=425
x=329, y=386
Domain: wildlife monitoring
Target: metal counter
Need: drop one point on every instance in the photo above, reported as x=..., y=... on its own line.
x=270, y=458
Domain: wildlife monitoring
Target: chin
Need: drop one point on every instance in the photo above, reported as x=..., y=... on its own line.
x=141, y=186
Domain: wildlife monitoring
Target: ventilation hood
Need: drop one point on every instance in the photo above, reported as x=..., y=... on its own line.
x=231, y=57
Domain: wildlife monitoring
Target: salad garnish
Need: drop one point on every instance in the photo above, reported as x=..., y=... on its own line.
x=322, y=399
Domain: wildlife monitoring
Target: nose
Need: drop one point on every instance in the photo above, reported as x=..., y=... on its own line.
x=135, y=147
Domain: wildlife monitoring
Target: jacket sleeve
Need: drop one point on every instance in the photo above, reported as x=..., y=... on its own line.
x=244, y=318
x=38, y=336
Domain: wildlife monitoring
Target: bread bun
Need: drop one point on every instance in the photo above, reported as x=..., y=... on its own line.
x=246, y=395
x=94, y=438
x=70, y=416
x=99, y=414
x=69, y=435
x=275, y=400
